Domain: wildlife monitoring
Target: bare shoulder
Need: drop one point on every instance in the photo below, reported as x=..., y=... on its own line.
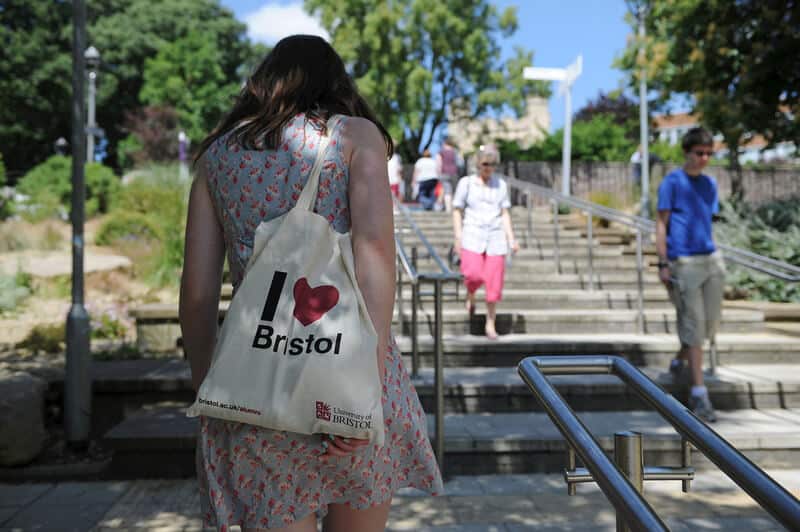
x=360, y=133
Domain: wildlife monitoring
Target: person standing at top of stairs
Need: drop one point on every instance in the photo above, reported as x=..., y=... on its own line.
x=689, y=264
x=483, y=233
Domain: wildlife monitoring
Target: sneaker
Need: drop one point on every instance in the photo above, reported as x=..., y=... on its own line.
x=701, y=407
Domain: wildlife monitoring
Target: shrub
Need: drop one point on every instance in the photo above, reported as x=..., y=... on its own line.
x=108, y=326
x=153, y=135
x=13, y=289
x=49, y=188
x=606, y=199
x=126, y=225
x=158, y=197
x=6, y=202
x=769, y=230
x=48, y=338
x=127, y=150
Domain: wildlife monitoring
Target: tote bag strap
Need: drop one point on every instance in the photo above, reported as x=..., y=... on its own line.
x=309, y=194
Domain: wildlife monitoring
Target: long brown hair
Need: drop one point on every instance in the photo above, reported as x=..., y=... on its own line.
x=302, y=74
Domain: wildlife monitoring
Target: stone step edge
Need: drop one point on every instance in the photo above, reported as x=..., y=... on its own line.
x=169, y=428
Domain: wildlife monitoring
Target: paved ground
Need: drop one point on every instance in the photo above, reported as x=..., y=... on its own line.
x=481, y=503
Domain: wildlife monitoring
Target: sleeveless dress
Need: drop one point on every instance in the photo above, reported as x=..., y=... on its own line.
x=261, y=478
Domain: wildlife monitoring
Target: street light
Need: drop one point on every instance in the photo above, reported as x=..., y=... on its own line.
x=567, y=77
x=639, y=10
x=60, y=146
x=77, y=377
x=92, y=57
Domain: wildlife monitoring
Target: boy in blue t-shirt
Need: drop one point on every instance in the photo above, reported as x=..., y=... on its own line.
x=689, y=264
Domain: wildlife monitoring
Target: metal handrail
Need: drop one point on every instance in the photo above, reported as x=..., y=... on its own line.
x=770, y=495
x=409, y=265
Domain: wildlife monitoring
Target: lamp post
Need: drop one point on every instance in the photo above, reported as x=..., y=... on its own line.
x=60, y=146
x=639, y=10
x=77, y=381
x=567, y=77
x=92, y=57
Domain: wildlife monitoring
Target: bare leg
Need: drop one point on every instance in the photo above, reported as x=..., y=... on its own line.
x=342, y=518
x=696, y=364
x=491, y=316
x=307, y=524
x=470, y=302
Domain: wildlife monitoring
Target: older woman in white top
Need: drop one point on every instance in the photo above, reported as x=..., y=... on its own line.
x=483, y=234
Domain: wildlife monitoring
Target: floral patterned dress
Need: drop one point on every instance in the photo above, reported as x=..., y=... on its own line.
x=261, y=478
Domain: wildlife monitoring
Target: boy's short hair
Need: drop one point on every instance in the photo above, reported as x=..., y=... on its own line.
x=697, y=136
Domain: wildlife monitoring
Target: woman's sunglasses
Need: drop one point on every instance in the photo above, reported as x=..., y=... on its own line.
x=488, y=164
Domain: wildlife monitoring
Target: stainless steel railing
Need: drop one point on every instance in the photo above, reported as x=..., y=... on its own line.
x=643, y=228
x=632, y=509
x=408, y=266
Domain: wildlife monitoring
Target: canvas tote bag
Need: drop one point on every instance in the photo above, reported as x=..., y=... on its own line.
x=297, y=348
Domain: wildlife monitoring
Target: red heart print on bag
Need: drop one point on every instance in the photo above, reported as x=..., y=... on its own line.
x=310, y=304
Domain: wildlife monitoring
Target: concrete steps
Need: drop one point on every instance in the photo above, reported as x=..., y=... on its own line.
x=568, y=321
x=159, y=441
x=643, y=350
x=547, y=299
x=493, y=423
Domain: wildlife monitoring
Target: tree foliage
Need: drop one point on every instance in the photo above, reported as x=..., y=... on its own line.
x=739, y=60
x=36, y=68
x=622, y=110
x=598, y=139
x=187, y=75
x=412, y=59
x=153, y=136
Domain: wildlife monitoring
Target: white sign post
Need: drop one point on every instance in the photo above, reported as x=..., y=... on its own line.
x=567, y=77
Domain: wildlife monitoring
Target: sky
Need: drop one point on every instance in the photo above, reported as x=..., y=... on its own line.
x=557, y=32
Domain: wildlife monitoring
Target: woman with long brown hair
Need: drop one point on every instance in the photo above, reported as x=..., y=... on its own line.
x=250, y=169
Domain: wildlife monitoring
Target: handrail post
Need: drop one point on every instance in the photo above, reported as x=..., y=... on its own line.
x=400, y=318
x=686, y=462
x=628, y=455
x=589, y=245
x=556, y=248
x=529, y=234
x=414, y=305
x=438, y=372
x=640, y=282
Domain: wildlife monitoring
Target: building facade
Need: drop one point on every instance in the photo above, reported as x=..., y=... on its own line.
x=671, y=128
x=468, y=132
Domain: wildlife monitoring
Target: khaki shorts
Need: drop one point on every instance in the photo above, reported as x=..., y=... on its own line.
x=698, y=283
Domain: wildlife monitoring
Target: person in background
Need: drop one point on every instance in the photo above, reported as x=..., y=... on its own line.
x=427, y=177
x=251, y=169
x=483, y=234
x=448, y=162
x=689, y=264
x=395, y=168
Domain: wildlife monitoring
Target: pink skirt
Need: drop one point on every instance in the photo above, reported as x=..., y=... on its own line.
x=479, y=269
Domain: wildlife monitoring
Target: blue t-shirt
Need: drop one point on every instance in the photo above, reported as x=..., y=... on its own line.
x=691, y=202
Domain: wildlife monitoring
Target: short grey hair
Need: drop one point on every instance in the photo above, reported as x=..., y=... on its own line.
x=488, y=152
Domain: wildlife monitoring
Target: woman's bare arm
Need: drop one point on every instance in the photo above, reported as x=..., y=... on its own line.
x=372, y=226
x=204, y=255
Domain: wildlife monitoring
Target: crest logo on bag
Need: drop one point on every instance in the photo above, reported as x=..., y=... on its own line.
x=323, y=411
x=311, y=304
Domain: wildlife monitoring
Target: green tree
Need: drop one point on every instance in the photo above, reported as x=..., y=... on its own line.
x=739, y=60
x=35, y=79
x=412, y=59
x=36, y=67
x=598, y=139
x=623, y=111
x=187, y=75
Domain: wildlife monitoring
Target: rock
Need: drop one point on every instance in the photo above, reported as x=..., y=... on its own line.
x=22, y=432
